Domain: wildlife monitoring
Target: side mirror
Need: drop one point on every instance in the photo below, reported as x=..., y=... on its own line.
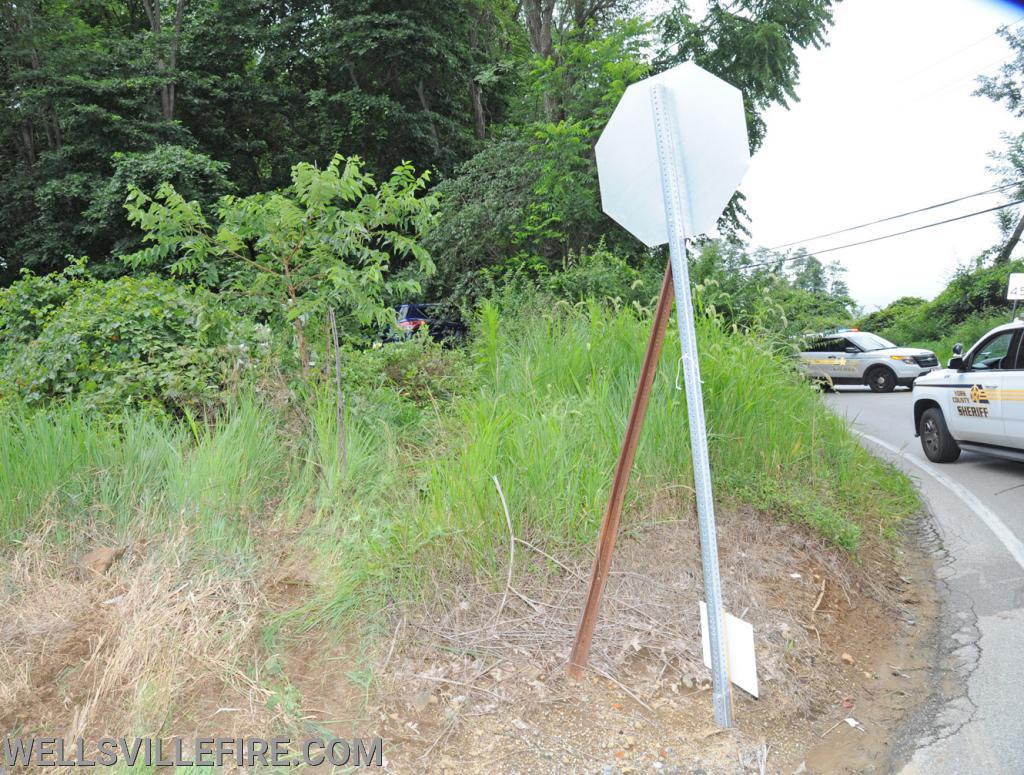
x=956, y=362
x=852, y=350
x=958, y=349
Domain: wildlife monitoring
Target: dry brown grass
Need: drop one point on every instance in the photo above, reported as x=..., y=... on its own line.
x=648, y=632
x=146, y=646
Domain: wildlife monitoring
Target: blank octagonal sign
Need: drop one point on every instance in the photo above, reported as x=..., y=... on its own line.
x=712, y=128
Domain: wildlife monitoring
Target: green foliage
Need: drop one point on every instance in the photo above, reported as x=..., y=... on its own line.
x=589, y=71
x=26, y=305
x=194, y=175
x=775, y=294
x=604, y=275
x=1007, y=86
x=255, y=84
x=133, y=341
x=893, y=313
x=973, y=302
x=332, y=240
x=78, y=86
x=540, y=401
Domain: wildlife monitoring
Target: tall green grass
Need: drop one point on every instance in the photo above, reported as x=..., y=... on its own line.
x=540, y=401
x=550, y=415
x=139, y=473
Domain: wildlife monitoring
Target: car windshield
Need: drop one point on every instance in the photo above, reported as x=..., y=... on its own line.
x=869, y=342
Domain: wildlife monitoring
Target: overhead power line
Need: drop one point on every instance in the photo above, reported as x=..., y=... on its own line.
x=887, y=236
x=895, y=217
x=959, y=51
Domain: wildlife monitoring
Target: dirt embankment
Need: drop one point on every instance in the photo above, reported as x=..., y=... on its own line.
x=475, y=682
x=472, y=691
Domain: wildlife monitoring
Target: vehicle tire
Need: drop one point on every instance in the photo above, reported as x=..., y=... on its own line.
x=881, y=380
x=936, y=442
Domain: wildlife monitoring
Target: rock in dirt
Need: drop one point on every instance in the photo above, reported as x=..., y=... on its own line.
x=98, y=561
x=847, y=659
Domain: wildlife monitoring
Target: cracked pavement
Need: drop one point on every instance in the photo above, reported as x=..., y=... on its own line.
x=974, y=718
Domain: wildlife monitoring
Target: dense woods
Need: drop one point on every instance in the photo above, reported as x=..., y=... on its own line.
x=225, y=96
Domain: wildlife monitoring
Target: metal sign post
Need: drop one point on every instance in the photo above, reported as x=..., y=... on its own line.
x=669, y=160
x=672, y=186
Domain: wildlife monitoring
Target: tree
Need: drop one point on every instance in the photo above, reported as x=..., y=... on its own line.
x=1007, y=87
x=76, y=89
x=755, y=46
x=253, y=84
x=334, y=239
x=171, y=41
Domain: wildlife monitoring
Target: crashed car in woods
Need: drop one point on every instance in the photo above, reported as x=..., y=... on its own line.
x=412, y=317
x=848, y=356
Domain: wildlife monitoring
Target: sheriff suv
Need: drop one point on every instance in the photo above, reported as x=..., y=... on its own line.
x=848, y=356
x=978, y=402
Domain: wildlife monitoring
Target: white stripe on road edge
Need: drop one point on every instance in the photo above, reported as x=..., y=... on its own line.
x=995, y=524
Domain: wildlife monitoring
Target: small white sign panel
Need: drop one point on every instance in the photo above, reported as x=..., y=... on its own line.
x=1016, y=290
x=739, y=649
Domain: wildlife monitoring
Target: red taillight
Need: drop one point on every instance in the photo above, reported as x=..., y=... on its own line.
x=409, y=325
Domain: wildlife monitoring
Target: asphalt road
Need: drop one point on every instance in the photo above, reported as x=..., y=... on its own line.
x=975, y=722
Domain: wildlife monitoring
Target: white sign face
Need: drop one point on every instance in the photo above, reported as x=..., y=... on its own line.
x=713, y=147
x=739, y=648
x=1016, y=290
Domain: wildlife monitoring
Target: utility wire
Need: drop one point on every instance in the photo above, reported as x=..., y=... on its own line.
x=887, y=236
x=895, y=217
x=959, y=51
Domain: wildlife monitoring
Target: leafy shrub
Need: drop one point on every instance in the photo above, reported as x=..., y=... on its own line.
x=973, y=302
x=418, y=369
x=602, y=274
x=334, y=239
x=195, y=175
x=129, y=341
x=893, y=313
x=26, y=305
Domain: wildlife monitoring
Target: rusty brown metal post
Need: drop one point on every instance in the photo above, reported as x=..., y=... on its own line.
x=620, y=482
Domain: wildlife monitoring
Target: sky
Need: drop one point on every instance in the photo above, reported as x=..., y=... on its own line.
x=886, y=123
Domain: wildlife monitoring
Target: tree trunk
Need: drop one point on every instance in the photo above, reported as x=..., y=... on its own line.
x=476, y=100
x=1004, y=255
x=426, y=110
x=179, y=14
x=28, y=142
x=152, y=8
x=539, y=15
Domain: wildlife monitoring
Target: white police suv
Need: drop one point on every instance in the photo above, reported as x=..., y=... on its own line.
x=848, y=356
x=978, y=402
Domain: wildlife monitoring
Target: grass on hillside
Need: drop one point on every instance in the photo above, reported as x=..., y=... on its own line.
x=540, y=401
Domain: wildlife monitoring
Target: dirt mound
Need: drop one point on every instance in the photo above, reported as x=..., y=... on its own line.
x=165, y=640
x=477, y=683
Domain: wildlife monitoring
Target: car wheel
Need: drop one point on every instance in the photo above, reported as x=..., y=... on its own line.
x=936, y=442
x=881, y=380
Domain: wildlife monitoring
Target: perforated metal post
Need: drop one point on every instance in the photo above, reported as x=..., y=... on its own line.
x=674, y=192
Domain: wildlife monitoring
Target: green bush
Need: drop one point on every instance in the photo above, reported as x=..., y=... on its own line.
x=972, y=303
x=605, y=275
x=130, y=341
x=27, y=304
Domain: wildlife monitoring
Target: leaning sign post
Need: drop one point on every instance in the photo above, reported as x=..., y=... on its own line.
x=671, y=157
